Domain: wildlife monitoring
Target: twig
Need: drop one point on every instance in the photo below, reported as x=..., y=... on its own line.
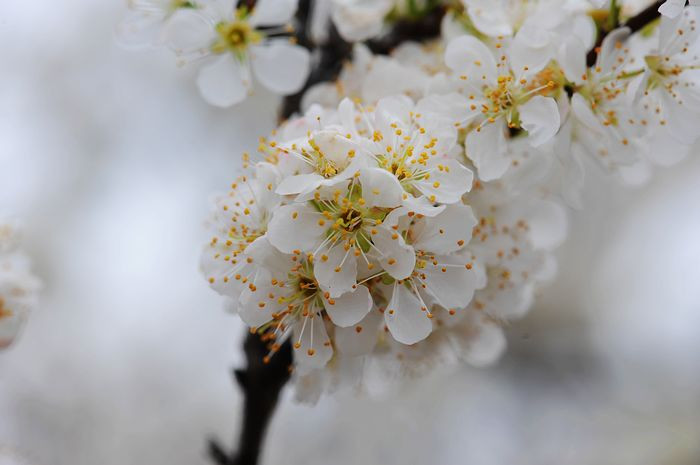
x=634, y=24
x=261, y=384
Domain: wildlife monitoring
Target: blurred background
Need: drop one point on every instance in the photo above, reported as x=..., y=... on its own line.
x=110, y=157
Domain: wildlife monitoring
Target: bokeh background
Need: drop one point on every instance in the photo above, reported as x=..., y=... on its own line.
x=110, y=157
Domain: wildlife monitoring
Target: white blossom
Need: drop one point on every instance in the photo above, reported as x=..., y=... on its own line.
x=237, y=44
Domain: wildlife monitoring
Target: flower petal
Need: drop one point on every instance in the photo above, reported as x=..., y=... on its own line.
x=336, y=270
x=380, y=188
x=447, y=232
x=273, y=12
x=312, y=347
x=189, y=33
x=299, y=183
x=224, y=82
x=140, y=29
x=281, y=66
x=449, y=180
x=479, y=342
x=450, y=280
x=487, y=149
x=396, y=257
x=296, y=227
x=350, y=308
x=468, y=56
x=406, y=317
x=260, y=301
x=361, y=338
x=540, y=118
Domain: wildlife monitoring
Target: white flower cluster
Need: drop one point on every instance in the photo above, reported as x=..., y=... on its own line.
x=364, y=235
x=412, y=209
x=18, y=286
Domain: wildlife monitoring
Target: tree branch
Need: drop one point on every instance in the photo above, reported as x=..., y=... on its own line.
x=261, y=383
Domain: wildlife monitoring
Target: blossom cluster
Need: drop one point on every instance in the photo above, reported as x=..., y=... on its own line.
x=364, y=231
x=18, y=286
x=411, y=208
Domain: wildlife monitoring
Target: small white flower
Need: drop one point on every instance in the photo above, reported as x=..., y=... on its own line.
x=286, y=301
x=238, y=43
x=496, y=98
x=605, y=123
x=436, y=272
x=671, y=98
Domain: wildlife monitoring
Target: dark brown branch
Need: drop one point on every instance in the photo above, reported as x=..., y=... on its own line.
x=261, y=384
x=635, y=24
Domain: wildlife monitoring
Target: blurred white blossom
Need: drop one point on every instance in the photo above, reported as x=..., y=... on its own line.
x=18, y=286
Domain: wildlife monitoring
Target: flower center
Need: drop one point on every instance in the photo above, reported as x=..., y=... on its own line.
x=351, y=220
x=306, y=286
x=177, y=4
x=501, y=96
x=235, y=36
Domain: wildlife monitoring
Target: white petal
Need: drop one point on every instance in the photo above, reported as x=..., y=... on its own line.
x=189, y=32
x=672, y=8
x=273, y=12
x=224, y=82
x=449, y=280
x=540, y=118
x=281, y=66
x=312, y=347
x=406, y=317
x=487, y=149
x=420, y=206
x=454, y=107
x=361, y=338
x=140, y=29
x=336, y=147
x=572, y=59
x=380, y=188
x=447, y=232
x=584, y=114
x=227, y=274
x=479, y=342
x=336, y=270
x=258, y=303
x=350, y=308
x=397, y=258
x=610, y=51
x=489, y=17
x=296, y=227
x=299, y=183
x=449, y=180
x=360, y=20
x=548, y=225
x=469, y=56
x=530, y=51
